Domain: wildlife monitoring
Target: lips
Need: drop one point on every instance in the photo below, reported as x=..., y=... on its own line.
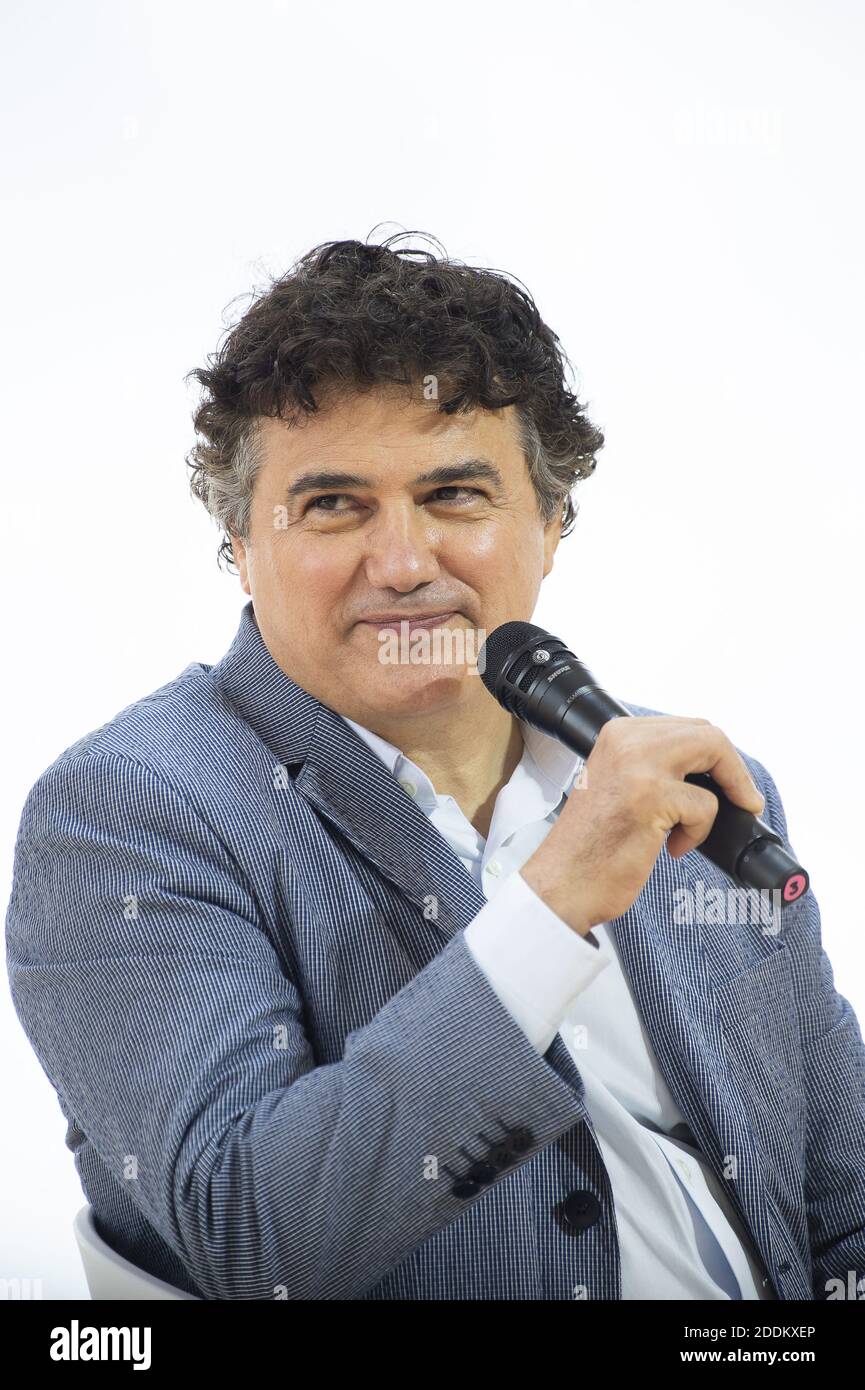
x=434, y=620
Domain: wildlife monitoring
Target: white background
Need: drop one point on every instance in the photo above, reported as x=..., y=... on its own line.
x=680, y=187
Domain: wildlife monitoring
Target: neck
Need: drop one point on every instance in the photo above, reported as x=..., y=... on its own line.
x=470, y=759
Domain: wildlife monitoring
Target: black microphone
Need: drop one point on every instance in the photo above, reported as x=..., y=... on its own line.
x=540, y=681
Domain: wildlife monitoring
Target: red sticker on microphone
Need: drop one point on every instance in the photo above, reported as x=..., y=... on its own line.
x=794, y=888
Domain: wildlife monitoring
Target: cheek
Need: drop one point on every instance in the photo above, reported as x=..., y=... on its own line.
x=312, y=582
x=495, y=556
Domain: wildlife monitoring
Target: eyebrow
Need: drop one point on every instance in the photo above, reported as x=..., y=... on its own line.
x=465, y=470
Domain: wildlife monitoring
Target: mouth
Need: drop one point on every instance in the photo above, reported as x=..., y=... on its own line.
x=421, y=621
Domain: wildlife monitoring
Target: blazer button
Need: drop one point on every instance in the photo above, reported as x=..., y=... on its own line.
x=482, y=1172
x=519, y=1141
x=465, y=1189
x=579, y=1210
x=500, y=1156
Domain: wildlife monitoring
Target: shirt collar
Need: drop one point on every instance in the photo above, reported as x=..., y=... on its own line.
x=545, y=761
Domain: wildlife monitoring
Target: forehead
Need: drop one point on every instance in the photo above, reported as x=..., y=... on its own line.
x=388, y=429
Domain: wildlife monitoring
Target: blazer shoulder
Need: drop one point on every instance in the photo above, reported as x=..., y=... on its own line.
x=168, y=731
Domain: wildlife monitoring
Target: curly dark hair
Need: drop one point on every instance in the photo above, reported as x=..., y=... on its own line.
x=359, y=315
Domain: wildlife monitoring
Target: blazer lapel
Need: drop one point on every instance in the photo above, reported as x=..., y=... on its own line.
x=345, y=781
x=666, y=964
x=351, y=787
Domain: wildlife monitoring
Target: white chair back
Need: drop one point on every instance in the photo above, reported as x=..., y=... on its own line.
x=109, y=1275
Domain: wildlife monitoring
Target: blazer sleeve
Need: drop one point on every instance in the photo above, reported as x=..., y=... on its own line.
x=158, y=1006
x=835, y=1080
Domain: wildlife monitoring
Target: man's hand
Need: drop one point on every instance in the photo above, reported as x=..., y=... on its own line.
x=601, y=850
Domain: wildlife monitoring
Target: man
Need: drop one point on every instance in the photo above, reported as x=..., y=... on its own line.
x=350, y=984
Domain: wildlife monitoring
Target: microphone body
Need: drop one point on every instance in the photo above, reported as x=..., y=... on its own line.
x=539, y=680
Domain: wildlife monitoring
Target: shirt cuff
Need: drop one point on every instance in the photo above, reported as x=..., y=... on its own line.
x=534, y=961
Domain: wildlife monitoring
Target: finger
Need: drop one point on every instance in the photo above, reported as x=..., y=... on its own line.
x=711, y=751
x=696, y=809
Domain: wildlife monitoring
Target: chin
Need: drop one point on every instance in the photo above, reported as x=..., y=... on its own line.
x=419, y=689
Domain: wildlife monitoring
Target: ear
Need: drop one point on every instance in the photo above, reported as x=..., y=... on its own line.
x=552, y=536
x=238, y=550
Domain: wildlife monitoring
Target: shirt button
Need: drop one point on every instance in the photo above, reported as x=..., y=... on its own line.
x=684, y=1170
x=407, y=786
x=494, y=867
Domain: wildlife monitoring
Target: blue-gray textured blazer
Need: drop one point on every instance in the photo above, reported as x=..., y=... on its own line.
x=237, y=949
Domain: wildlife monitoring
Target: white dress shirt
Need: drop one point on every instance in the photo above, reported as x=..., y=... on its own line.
x=679, y=1235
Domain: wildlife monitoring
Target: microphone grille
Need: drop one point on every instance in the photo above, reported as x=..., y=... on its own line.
x=498, y=647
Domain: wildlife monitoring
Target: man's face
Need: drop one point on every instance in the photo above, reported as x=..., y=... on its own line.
x=325, y=556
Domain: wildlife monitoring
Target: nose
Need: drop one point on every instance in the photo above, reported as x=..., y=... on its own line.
x=401, y=548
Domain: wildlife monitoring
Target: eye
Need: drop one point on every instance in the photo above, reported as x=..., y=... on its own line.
x=467, y=491
x=316, y=503
x=321, y=504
